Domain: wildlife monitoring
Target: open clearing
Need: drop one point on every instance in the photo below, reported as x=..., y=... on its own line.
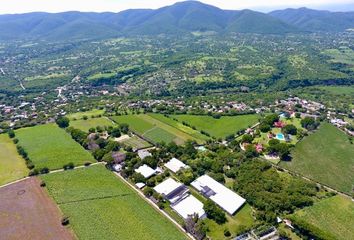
x=136, y=142
x=219, y=128
x=338, y=90
x=325, y=156
x=154, y=130
x=85, y=125
x=12, y=166
x=27, y=212
x=49, y=146
x=334, y=215
x=101, y=206
x=80, y=115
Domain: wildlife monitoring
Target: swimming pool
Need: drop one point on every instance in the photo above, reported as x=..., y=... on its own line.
x=280, y=136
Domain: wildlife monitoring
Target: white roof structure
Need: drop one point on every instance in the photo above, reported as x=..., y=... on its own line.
x=167, y=186
x=175, y=165
x=140, y=185
x=189, y=206
x=145, y=170
x=218, y=193
x=143, y=154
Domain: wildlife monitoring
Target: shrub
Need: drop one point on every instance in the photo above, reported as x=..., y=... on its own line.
x=33, y=172
x=65, y=221
x=15, y=140
x=42, y=184
x=44, y=170
x=11, y=133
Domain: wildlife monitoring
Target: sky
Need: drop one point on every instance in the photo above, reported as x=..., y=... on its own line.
x=23, y=6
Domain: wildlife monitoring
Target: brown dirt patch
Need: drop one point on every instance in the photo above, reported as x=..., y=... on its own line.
x=28, y=212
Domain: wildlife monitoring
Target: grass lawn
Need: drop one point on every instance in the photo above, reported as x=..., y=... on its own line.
x=101, y=206
x=219, y=128
x=85, y=125
x=339, y=90
x=79, y=115
x=325, y=156
x=154, y=129
x=334, y=215
x=12, y=166
x=235, y=224
x=49, y=146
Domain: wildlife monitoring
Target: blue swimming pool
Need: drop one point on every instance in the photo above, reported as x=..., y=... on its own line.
x=280, y=136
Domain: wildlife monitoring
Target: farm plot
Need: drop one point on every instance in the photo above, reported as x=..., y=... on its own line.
x=12, y=166
x=325, y=156
x=219, y=128
x=333, y=215
x=89, y=114
x=153, y=129
x=101, y=206
x=27, y=212
x=85, y=125
x=49, y=146
x=136, y=142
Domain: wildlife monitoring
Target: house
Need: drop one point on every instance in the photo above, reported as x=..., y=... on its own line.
x=143, y=154
x=219, y=194
x=171, y=190
x=146, y=171
x=259, y=147
x=140, y=185
x=189, y=206
x=175, y=165
x=279, y=124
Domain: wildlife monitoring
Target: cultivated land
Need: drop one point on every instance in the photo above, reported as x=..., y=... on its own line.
x=80, y=115
x=339, y=90
x=334, y=215
x=49, y=146
x=325, y=156
x=219, y=128
x=136, y=142
x=27, y=212
x=85, y=125
x=12, y=166
x=101, y=206
x=153, y=129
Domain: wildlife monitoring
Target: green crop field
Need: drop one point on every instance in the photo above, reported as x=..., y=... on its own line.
x=80, y=115
x=49, y=146
x=12, y=166
x=339, y=90
x=334, y=215
x=136, y=142
x=178, y=125
x=85, y=125
x=154, y=129
x=325, y=156
x=101, y=206
x=219, y=128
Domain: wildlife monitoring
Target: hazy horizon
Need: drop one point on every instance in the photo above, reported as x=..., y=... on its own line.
x=54, y=6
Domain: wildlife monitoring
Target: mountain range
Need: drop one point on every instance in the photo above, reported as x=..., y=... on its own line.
x=180, y=18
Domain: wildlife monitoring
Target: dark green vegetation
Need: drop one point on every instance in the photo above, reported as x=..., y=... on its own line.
x=101, y=206
x=221, y=127
x=85, y=125
x=48, y=146
x=332, y=218
x=325, y=156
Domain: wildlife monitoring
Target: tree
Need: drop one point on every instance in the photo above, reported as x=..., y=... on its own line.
x=290, y=129
x=11, y=133
x=124, y=128
x=138, y=177
x=63, y=122
x=148, y=192
x=309, y=123
x=247, y=138
x=271, y=119
x=214, y=212
x=115, y=132
x=264, y=127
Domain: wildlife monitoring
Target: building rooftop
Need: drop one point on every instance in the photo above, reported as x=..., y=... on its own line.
x=189, y=206
x=218, y=193
x=175, y=165
x=145, y=170
x=167, y=186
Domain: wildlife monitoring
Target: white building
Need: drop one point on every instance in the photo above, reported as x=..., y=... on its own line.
x=146, y=171
x=189, y=206
x=143, y=154
x=175, y=165
x=171, y=190
x=218, y=193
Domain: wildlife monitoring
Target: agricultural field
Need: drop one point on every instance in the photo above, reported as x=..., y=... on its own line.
x=108, y=208
x=51, y=147
x=338, y=90
x=85, y=125
x=219, y=128
x=334, y=215
x=178, y=125
x=325, y=156
x=12, y=165
x=136, y=142
x=89, y=114
x=344, y=55
x=153, y=129
x=28, y=212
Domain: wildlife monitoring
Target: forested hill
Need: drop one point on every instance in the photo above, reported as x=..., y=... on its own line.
x=182, y=17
